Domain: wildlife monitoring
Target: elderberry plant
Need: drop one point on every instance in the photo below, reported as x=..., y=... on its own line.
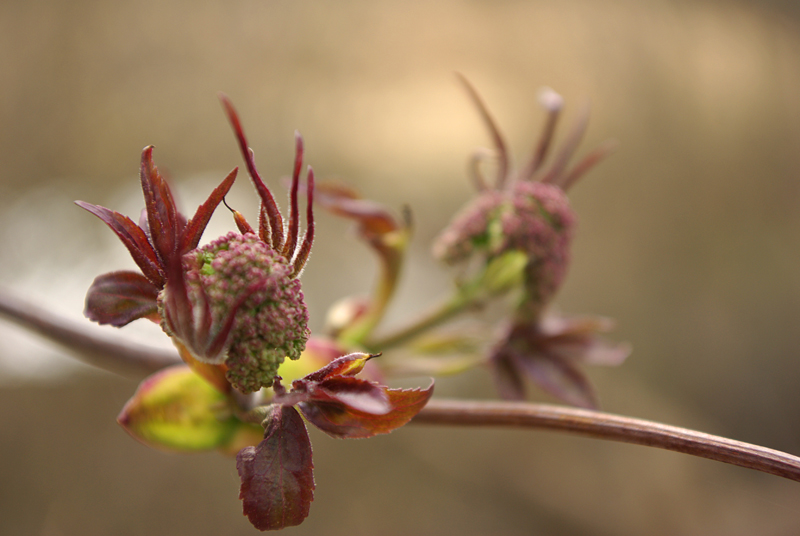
x=235, y=311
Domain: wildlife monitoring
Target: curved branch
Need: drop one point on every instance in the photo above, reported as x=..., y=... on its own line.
x=138, y=361
x=125, y=358
x=601, y=425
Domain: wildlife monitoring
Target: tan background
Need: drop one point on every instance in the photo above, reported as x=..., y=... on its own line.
x=689, y=236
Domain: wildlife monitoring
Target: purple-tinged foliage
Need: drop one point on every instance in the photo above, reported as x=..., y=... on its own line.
x=270, y=226
x=548, y=353
x=277, y=475
x=347, y=407
x=245, y=283
x=349, y=420
x=353, y=319
x=277, y=480
x=527, y=211
x=118, y=298
x=162, y=238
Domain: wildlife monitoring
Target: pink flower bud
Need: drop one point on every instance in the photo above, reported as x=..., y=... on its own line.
x=240, y=278
x=531, y=217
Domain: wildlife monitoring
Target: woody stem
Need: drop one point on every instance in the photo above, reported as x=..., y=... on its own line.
x=602, y=425
x=138, y=361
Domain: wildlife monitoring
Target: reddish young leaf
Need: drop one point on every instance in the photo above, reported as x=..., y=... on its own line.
x=559, y=377
x=337, y=420
x=277, y=475
x=196, y=226
x=273, y=232
x=354, y=394
x=118, y=298
x=507, y=378
x=373, y=218
x=134, y=239
x=166, y=223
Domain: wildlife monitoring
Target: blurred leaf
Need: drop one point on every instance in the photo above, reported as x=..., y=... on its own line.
x=507, y=378
x=505, y=272
x=558, y=377
x=373, y=218
x=245, y=434
x=277, y=475
x=118, y=298
x=446, y=343
x=175, y=409
x=432, y=366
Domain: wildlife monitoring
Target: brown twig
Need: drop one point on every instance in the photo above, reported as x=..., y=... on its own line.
x=138, y=361
x=601, y=425
x=125, y=358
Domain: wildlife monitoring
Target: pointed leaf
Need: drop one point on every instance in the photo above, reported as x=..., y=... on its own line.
x=133, y=237
x=590, y=350
x=347, y=365
x=373, y=218
x=277, y=475
x=338, y=421
x=118, y=298
x=196, y=226
x=300, y=258
x=269, y=207
x=294, y=209
x=559, y=377
x=166, y=224
x=175, y=409
x=507, y=378
x=318, y=353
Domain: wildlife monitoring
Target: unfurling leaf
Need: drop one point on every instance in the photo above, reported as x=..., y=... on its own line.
x=353, y=393
x=347, y=365
x=277, y=475
x=118, y=298
x=318, y=353
x=344, y=421
x=175, y=409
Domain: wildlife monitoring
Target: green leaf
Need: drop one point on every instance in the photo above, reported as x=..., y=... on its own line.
x=277, y=475
x=504, y=273
x=175, y=409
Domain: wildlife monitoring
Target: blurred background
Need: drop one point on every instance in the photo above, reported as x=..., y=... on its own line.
x=689, y=236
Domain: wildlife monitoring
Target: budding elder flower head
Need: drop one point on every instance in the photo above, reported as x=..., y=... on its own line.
x=237, y=302
x=233, y=308
x=241, y=273
x=525, y=210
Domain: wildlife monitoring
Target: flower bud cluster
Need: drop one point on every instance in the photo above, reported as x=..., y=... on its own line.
x=241, y=273
x=531, y=217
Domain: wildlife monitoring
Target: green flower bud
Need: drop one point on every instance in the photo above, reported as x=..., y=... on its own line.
x=533, y=218
x=240, y=275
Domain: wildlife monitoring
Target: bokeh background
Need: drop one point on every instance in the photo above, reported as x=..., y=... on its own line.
x=689, y=236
